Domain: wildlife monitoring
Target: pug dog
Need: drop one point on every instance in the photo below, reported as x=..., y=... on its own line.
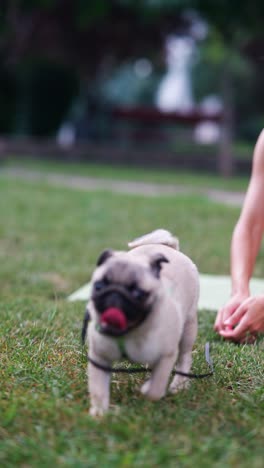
x=147, y=297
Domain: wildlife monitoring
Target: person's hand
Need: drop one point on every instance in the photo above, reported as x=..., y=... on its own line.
x=248, y=319
x=228, y=310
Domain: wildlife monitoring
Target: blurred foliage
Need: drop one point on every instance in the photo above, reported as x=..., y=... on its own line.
x=50, y=88
x=47, y=46
x=8, y=98
x=86, y=13
x=125, y=87
x=35, y=99
x=229, y=18
x=236, y=22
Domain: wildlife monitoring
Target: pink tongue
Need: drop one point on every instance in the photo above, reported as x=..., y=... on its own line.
x=115, y=318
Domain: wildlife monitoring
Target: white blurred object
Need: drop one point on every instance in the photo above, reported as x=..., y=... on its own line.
x=66, y=135
x=174, y=92
x=143, y=68
x=211, y=104
x=198, y=28
x=209, y=132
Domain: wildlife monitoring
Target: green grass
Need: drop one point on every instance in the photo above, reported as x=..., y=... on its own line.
x=162, y=176
x=49, y=241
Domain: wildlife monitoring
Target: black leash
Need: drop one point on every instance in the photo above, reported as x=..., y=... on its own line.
x=138, y=370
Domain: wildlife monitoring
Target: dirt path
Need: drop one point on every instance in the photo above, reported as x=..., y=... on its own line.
x=122, y=186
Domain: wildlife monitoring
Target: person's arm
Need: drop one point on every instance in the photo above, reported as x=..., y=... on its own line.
x=246, y=238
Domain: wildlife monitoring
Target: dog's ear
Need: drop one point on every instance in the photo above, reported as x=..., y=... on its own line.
x=156, y=263
x=104, y=256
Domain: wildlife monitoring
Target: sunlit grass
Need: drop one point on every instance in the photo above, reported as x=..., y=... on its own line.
x=49, y=242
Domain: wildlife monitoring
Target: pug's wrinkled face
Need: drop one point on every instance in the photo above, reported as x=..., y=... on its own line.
x=124, y=290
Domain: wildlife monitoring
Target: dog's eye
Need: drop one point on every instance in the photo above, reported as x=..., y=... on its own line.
x=137, y=293
x=99, y=285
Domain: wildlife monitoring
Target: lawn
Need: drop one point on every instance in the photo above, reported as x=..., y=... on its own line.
x=50, y=239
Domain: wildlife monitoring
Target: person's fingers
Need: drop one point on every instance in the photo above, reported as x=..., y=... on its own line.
x=237, y=333
x=218, y=320
x=233, y=319
x=219, y=323
x=223, y=315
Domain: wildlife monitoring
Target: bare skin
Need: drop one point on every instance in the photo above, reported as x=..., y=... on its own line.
x=243, y=314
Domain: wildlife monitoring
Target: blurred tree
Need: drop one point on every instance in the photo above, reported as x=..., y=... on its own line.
x=89, y=38
x=233, y=26
x=8, y=98
x=83, y=34
x=94, y=36
x=46, y=92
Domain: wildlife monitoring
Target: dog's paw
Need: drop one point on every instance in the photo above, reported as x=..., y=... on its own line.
x=145, y=387
x=178, y=385
x=97, y=412
x=151, y=392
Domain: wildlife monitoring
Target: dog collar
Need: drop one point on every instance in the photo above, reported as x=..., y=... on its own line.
x=120, y=341
x=122, y=347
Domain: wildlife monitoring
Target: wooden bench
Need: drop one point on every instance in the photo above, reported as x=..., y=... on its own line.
x=149, y=123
